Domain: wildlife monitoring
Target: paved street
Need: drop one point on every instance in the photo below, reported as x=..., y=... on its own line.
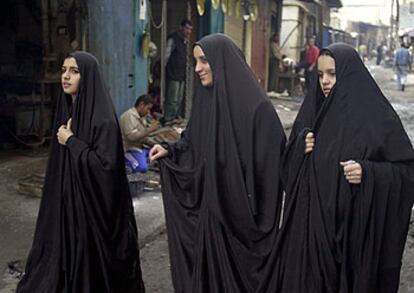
x=18, y=213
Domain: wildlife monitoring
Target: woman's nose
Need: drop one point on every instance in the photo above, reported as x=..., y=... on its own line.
x=197, y=67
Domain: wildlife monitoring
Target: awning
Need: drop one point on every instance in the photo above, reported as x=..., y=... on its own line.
x=334, y=3
x=330, y=3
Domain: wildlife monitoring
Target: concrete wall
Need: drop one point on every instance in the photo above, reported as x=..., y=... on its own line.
x=291, y=31
x=407, y=16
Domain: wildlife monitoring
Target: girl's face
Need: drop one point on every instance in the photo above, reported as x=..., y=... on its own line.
x=203, y=68
x=70, y=76
x=326, y=73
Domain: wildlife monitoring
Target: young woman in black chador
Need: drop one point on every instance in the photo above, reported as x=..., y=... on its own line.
x=220, y=182
x=349, y=179
x=86, y=235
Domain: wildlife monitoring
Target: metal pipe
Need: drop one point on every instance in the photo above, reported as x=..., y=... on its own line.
x=163, y=52
x=45, y=27
x=189, y=79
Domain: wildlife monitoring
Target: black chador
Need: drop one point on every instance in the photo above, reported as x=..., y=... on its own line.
x=336, y=236
x=221, y=185
x=86, y=235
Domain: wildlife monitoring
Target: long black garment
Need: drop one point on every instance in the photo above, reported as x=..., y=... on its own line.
x=221, y=184
x=86, y=235
x=339, y=237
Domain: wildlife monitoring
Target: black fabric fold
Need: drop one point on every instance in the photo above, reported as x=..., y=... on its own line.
x=86, y=235
x=221, y=187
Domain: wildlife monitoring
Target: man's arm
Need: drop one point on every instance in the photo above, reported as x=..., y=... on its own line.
x=396, y=58
x=170, y=48
x=138, y=133
x=276, y=51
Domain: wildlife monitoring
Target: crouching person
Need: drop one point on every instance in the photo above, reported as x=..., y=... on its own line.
x=136, y=128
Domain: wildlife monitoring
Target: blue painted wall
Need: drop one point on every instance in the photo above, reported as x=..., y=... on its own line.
x=141, y=63
x=114, y=33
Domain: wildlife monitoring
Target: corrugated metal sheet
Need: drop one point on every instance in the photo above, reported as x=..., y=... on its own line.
x=260, y=42
x=112, y=40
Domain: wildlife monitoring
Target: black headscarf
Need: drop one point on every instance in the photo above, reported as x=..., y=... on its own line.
x=336, y=236
x=86, y=235
x=221, y=185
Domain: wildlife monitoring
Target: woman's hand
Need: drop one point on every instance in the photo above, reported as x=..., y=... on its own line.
x=352, y=171
x=64, y=132
x=157, y=152
x=309, y=142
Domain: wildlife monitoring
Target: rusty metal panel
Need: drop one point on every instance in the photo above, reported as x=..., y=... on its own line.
x=260, y=42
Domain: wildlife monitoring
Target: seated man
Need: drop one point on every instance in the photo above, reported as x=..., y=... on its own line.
x=135, y=130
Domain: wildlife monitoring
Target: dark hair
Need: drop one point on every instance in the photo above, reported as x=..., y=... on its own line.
x=326, y=52
x=145, y=98
x=185, y=22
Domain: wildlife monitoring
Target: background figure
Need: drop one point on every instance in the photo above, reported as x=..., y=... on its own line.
x=312, y=53
x=86, y=235
x=220, y=182
x=176, y=71
x=402, y=63
x=288, y=64
x=380, y=51
x=135, y=130
x=274, y=62
x=363, y=51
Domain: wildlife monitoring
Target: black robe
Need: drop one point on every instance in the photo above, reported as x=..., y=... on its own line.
x=221, y=184
x=336, y=236
x=86, y=235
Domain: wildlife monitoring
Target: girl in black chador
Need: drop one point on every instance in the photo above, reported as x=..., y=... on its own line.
x=220, y=182
x=86, y=235
x=349, y=179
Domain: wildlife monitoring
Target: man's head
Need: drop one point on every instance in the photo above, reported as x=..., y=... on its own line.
x=144, y=104
x=186, y=27
x=275, y=38
x=311, y=41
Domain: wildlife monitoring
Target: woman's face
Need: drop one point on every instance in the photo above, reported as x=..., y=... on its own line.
x=70, y=76
x=326, y=73
x=202, y=67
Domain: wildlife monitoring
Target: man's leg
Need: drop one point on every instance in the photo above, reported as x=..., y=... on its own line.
x=170, y=104
x=137, y=161
x=180, y=96
x=398, y=78
x=403, y=80
x=272, y=75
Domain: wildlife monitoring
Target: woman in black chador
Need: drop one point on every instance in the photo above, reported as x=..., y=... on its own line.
x=349, y=168
x=221, y=180
x=86, y=235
